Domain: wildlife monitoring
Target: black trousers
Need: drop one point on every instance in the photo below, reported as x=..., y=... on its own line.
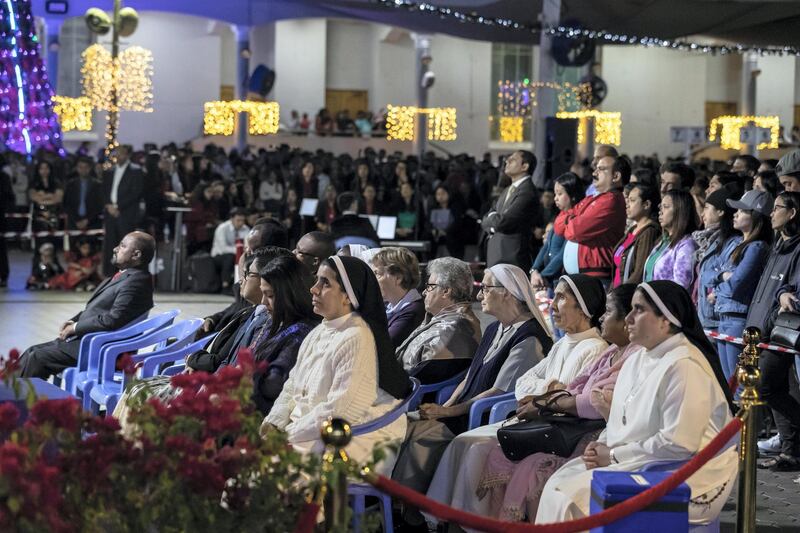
x=225, y=264
x=4, y=270
x=49, y=358
x=775, y=388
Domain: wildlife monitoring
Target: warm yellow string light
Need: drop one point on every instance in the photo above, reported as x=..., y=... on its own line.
x=131, y=74
x=607, y=125
x=511, y=129
x=401, y=123
x=219, y=117
x=730, y=126
x=73, y=113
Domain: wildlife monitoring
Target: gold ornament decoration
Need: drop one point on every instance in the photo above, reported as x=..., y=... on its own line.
x=511, y=129
x=401, y=123
x=130, y=76
x=219, y=118
x=727, y=128
x=74, y=114
x=97, y=20
x=607, y=125
x=128, y=21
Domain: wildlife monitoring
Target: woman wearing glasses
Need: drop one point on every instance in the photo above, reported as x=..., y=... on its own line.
x=777, y=291
x=450, y=329
x=511, y=345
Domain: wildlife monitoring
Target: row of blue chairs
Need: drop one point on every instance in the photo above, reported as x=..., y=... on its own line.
x=152, y=343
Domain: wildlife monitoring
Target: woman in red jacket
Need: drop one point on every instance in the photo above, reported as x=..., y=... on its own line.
x=594, y=226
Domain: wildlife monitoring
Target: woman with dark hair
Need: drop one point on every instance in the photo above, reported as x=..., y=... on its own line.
x=645, y=176
x=327, y=211
x=776, y=292
x=671, y=399
x=345, y=367
x=408, y=211
x=202, y=219
x=286, y=297
x=45, y=193
x=578, y=305
x=767, y=181
x=549, y=263
x=641, y=206
x=733, y=282
x=673, y=257
x=445, y=222
x=727, y=180
x=511, y=490
x=715, y=243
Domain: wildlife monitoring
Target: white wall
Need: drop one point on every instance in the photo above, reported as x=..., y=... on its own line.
x=349, y=49
x=775, y=88
x=300, y=65
x=185, y=76
x=654, y=89
x=723, y=78
x=262, y=48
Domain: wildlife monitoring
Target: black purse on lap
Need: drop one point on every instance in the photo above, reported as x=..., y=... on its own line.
x=551, y=432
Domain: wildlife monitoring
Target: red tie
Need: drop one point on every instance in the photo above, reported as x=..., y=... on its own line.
x=116, y=276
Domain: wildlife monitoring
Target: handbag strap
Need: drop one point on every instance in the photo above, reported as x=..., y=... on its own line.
x=551, y=398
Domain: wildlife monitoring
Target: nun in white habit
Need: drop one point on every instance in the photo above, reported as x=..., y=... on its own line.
x=670, y=401
x=578, y=304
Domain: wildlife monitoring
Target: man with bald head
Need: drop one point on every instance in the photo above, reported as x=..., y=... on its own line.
x=313, y=248
x=117, y=301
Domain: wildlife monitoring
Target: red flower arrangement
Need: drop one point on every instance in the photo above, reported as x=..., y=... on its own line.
x=196, y=462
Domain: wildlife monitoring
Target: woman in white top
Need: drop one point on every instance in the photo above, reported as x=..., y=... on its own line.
x=578, y=304
x=670, y=401
x=345, y=367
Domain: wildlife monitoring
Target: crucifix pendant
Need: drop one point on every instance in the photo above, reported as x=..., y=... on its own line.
x=624, y=419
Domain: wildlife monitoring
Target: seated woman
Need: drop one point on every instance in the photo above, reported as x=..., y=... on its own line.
x=83, y=269
x=346, y=366
x=511, y=490
x=45, y=268
x=578, y=304
x=671, y=400
x=397, y=271
x=450, y=330
x=512, y=344
x=288, y=302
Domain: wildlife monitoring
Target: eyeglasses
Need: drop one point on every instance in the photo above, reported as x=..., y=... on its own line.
x=430, y=286
x=482, y=287
x=775, y=207
x=249, y=274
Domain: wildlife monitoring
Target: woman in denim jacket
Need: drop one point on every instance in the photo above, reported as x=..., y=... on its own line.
x=739, y=274
x=718, y=224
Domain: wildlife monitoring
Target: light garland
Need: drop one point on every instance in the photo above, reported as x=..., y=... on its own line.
x=131, y=74
x=474, y=18
x=219, y=117
x=73, y=113
x=607, y=125
x=516, y=99
x=729, y=127
x=401, y=123
x=511, y=129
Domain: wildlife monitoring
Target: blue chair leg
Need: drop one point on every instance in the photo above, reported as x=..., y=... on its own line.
x=386, y=507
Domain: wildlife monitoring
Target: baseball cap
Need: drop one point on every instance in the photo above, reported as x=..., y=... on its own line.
x=719, y=199
x=754, y=200
x=789, y=165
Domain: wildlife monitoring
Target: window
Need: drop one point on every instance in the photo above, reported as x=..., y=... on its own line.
x=510, y=63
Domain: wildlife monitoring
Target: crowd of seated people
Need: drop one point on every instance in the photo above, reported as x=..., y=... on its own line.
x=638, y=263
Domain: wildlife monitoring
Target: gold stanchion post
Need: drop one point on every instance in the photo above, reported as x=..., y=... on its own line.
x=749, y=378
x=336, y=435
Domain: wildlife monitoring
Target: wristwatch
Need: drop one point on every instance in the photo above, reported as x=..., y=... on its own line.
x=612, y=456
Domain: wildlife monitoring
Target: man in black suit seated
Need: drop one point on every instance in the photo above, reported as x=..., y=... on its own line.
x=122, y=186
x=83, y=197
x=116, y=302
x=349, y=224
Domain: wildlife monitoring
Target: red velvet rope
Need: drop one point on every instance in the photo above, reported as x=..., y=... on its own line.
x=308, y=518
x=621, y=510
x=733, y=383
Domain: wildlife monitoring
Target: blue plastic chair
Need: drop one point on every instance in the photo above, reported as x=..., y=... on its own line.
x=443, y=389
x=479, y=407
x=358, y=492
x=341, y=242
x=667, y=466
x=84, y=380
x=171, y=354
x=111, y=384
x=89, y=342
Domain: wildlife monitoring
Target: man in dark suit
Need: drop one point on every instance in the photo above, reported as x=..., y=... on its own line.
x=6, y=205
x=116, y=302
x=122, y=186
x=349, y=224
x=83, y=197
x=509, y=225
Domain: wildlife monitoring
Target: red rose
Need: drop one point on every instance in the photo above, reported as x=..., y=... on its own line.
x=9, y=416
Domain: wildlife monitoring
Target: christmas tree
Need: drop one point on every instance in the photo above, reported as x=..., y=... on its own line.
x=27, y=120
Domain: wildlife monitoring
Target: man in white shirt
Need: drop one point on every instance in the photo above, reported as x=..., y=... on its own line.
x=223, y=250
x=122, y=186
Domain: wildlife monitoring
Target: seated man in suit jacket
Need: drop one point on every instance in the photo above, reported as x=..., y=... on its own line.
x=116, y=302
x=349, y=224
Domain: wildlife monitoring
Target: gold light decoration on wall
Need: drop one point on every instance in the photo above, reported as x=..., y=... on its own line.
x=219, y=117
x=73, y=113
x=727, y=129
x=607, y=125
x=511, y=129
x=131, y=74
x=401, y=123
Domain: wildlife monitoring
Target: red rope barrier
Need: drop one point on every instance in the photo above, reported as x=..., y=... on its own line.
x=621, y=510
x=733, y=382
x=308, y=518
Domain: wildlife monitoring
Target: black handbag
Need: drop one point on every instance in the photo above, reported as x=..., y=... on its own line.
x=553, y=433
x=786, y=331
